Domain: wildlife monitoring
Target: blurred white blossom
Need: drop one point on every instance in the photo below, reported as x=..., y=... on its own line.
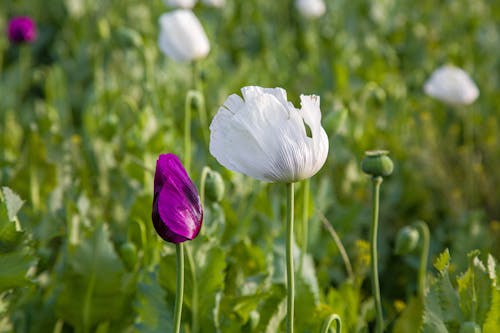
x=451, y=85
x=311, y=8
x=214, y=3
x=180, y=3
x=182, y=37
x=264, y=136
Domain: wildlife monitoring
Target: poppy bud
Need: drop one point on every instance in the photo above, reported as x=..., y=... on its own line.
x=21, y=29
x=214, y=186
x=406, y=240
x=376, y=163
x=177, y=212
x=128, y=252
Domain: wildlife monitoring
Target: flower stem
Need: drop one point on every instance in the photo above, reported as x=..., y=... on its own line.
x=305, y=224
x=328, y=322
x=194, y=300
x=374, y=256
x=425, y=234
x=198, y=87
x=179, y=286
x=289, y=258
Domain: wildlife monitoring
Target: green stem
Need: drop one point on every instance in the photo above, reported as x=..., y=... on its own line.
x=289, y=258
x=374, y=256
x=194, y=299
x=179, y=287
x=202, y=112
x=425, y=234
x=305, y=222
x=340, y=246
x=329, y=321
x=204, y=173
x=187, y=131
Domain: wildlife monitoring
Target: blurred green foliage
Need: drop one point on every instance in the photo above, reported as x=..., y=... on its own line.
x=87, y=108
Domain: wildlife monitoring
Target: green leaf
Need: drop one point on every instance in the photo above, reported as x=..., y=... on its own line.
x=14, y=267
x=273, y=311
x=94, y=285
x=410, y=319
x=154, y=314
x=210, y=266
x=12, y=201
x=10, y=238
x=492, y=322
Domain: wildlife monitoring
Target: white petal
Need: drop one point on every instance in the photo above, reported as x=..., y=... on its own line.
x=181, y=36
x=311, y=8
x=264, y=136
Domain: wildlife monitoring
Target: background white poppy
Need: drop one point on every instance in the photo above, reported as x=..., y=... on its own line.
x=182, y=37
x=180, y=3
x=311, y=8
x=451, y=85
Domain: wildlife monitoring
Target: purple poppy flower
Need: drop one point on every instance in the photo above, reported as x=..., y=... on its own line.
x=177, y=211
x=21, y=29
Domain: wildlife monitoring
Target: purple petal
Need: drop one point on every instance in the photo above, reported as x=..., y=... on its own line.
x=21, y=29
x=177, y=212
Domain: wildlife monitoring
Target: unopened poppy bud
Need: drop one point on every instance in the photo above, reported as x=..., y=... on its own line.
x=406, y=240
x=469, y=327
x=128, y=252
x=214, y=186
x=129, y=37
x=377, y=164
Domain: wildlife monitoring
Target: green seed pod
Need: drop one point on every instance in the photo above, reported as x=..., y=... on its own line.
x=376, y=163
x=406, y=240
x=214, y=186
x=469, y=327
x=128, y=252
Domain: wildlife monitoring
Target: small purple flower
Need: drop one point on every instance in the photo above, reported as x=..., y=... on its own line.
x=177, y=211
x=21, y=29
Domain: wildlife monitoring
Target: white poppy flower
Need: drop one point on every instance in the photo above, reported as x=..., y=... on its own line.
x=214, y=3
x=264, y=136
x=451, y=85
x=180, y=3
x=182, y=37
x=311, y=8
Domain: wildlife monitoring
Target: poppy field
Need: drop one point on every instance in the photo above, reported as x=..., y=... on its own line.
x=251, y=166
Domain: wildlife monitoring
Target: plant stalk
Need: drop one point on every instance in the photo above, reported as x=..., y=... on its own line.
x=305, y=223
x=333, y=318
x=423, y=230
x=179, y=249
x=289, y=258
x=374, y=256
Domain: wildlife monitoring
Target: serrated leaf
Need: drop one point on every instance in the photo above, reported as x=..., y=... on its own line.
x=12, y=201
x=492, y=322
x=442, y=261
x=154, y=314
x=95, y=286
